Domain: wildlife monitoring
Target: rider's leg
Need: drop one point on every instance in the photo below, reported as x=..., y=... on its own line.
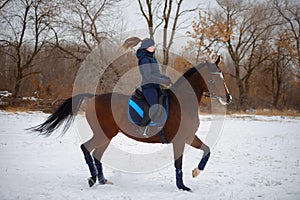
x=151, y=96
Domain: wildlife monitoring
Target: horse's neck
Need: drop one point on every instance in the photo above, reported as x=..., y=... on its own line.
x=196, y=83
x=188, y=93
x=191, y=87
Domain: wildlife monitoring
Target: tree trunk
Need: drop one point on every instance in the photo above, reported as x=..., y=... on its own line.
x=278, y=86
x=165, y=61
x=17, y=83
x=242, y=102
x=16, y=90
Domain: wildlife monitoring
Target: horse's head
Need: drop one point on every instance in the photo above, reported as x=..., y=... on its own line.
x=217, y=88
x=207, y=79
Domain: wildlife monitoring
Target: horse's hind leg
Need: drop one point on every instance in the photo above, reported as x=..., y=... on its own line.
x=97, y=141
x=90, y=162
x=197, y=143
x=97, y=154
x=93, y=161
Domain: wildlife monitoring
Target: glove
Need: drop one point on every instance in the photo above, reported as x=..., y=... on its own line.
x=167, y=81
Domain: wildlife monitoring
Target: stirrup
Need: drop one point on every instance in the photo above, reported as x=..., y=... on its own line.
x=144, y=131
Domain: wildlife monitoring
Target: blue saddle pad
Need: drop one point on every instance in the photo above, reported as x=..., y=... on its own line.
x=136, y=112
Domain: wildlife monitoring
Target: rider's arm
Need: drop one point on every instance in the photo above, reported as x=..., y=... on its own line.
x=149, y=75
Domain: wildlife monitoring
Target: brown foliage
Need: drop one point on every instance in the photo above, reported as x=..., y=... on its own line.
x=261, y=51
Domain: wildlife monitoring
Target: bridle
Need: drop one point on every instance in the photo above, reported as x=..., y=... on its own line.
x=212, y=94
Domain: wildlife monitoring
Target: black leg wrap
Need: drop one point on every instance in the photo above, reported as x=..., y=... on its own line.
x=203, y=161
x=84, y=150
x=179, y=181
x=90, y=162
x=101, y=177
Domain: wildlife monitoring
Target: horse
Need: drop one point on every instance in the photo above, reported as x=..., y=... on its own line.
x=205, y=79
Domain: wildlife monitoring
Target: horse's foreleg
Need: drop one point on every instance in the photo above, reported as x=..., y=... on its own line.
x=197, y=143
x=178, y=153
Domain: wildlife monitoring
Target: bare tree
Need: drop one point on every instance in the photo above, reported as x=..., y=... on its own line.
x=26, y=31
x=242, y=29
x=280, y=65
x=84, y=24
x=148, y=11
x=289, y=12
x=167, y=13
x=246, y=45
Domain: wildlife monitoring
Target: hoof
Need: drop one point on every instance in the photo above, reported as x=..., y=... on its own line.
x=105, y=181
x=196, y=172
x=92, y=180
x=184, y=188
x=109, y=182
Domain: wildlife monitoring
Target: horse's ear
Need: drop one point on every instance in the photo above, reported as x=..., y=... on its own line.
x=218, y=60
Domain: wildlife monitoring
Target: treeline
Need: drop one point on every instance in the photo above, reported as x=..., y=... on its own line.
x=43, y=43
x=42, y=49
x=261, y=41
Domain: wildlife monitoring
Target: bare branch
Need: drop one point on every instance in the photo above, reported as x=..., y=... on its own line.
x=4, y=3
x=143, y=12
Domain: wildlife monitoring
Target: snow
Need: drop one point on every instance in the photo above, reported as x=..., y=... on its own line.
x=30, y=98
x=256, y=157
x=5, y=94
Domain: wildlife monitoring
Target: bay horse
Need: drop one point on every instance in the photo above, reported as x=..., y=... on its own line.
x=180, y=128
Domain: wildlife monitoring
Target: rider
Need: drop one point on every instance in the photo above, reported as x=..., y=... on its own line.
x=151, y=76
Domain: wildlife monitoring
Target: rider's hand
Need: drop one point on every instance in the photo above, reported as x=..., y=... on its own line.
x=167, y=81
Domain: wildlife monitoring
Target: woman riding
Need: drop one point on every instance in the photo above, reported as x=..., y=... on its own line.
x=151, y=76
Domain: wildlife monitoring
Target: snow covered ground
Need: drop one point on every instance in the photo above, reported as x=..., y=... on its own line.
x=257, y=157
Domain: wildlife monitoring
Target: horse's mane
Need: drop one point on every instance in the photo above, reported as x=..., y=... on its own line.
x=188, y=73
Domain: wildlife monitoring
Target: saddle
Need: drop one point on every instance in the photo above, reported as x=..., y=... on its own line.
x=138, y=106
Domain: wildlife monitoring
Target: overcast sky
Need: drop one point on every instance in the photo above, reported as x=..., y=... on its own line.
x=137, y=26
x=135, y=20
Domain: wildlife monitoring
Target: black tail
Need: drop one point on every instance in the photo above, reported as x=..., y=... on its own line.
x=64, y=114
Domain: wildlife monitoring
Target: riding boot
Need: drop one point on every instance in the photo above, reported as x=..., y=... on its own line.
x=144, y=129
x=101, y=177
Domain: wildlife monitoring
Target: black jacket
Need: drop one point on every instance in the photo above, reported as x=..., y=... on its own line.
x=149, y=69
